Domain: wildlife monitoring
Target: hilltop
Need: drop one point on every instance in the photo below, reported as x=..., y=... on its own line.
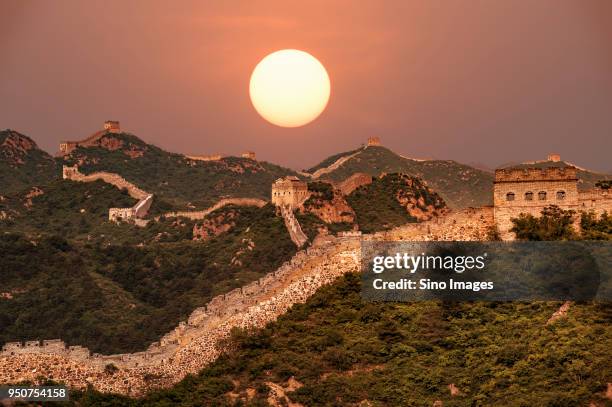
x=22, y=163
x=460, y=185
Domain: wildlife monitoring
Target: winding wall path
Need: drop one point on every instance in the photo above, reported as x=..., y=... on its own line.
x=199, y=340
x=226, y=201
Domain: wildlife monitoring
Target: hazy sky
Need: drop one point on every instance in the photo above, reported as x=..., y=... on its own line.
x=475, y=81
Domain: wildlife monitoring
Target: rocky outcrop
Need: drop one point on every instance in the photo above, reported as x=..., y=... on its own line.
x=560, y=313
x=214, y=226
x=335, y=210
x=16, y=147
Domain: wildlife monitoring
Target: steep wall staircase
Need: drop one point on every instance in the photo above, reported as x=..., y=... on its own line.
x=293, y=226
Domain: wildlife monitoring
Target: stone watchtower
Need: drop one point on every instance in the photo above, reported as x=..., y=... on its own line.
x=70, y=172
x=289, y=191
x=248, y=154
x=373, y=141
x=529, y=190
x=112, y=126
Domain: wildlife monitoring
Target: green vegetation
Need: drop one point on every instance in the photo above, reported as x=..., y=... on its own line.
x=377, y=206
x=320, y=191
x=22, y=163
x=345, y=351
x=596, y=228
x=460, y=185
x=176, y=179
x=66, y=208
x=553, y=224
x=604, y=184
x=119, y=298
x=558, y=224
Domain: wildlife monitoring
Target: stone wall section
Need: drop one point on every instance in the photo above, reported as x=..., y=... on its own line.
x=471, y=224
x=195, y=342
x=293, y=227
x=353, y=182
x=334, y=166
x=223, y=202
x=73, y=173
x=199, y=340
x=138, y=211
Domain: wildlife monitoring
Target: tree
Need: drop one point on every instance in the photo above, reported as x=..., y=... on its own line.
x=553, y=224
x=594, y=229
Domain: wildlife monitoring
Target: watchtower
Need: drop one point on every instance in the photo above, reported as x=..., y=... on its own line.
x=112, y=126
x=289, y=191
x=531, y=189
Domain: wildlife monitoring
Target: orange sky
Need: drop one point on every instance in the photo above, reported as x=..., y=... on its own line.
x=475, y=81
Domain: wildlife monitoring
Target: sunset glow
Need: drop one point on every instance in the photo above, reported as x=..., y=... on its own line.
x=289, y=88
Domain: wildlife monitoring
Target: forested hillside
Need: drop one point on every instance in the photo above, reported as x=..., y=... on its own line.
x=183, y=182
x=460, y=185
x=119, y=298
x=339, y=350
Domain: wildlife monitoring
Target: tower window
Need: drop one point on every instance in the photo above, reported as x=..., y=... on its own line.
x=560, y=195
x=510, y=196
x=529, y=196
x=542, y=195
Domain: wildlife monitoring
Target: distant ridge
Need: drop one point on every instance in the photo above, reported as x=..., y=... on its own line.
x=460, y=185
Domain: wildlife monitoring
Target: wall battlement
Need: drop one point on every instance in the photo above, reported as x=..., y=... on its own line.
x=536, y=174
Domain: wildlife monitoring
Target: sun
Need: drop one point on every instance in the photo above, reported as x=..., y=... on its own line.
x=289, y=88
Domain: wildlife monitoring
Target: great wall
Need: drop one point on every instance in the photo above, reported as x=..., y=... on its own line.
x=195, y=215
x=198, y=341
x=372, y=141
x=135, y=213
